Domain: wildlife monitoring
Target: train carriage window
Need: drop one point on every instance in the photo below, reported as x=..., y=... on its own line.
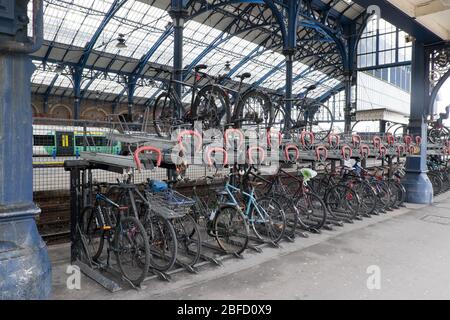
x=43, y=140
x=79, y=141
x=91, y=141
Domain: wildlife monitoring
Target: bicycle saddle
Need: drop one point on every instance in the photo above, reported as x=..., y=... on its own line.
x=200, y=67
x=245, y=75
x=311, y=88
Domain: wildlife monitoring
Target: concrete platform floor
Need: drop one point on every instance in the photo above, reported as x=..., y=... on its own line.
x=410, y=248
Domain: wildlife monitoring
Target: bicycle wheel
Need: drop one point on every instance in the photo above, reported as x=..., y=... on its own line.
x=342, y=201
x=291, y=212
x=437, y=183
x=367, y=196
x=312, y=211
x=254, y=109
x=162, y=240
x=383, y=195
x=392, y=194
x=188, y=240
x=211, y=107
x=230, y=229
x=269, y=223
x=132, y=250
x=316, y=118
x=164, y=113
x=94, y=236
x=279, y=118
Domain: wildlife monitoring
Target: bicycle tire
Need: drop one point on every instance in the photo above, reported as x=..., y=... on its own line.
x=188, y=239
x=262, y=113
x=162, y=241
x=139, y=257
x=209, y=114
x=236, y=241
x=274, y=229
x=342, y=200
x=164, y=115
x=94, y=236
x=312, y=211
x=367, y=196
x=291, y=212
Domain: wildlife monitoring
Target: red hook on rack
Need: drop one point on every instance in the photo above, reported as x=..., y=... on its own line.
x=260, y=150
x=234, y=131
x=346, y=152
x=191, y=133
x=216, y=150
x=143, y=149
x=294, y=148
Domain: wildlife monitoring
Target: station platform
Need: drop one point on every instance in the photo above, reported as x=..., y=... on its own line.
x=409, y=248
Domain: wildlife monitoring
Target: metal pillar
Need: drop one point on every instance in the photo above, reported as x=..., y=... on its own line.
x=76, y=76
x=289, y=82
x=178, y=14
x=418, y=187
x=131, y=90
x=289, y=47
x=348, y=103
x=25, y=269
x=383, y=125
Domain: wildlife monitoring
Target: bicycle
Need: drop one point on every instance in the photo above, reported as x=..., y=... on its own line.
x=209, y=104
x=156, y=220
x=265, y=215
x=306, y=115
x=223, y=222
x=124, y=235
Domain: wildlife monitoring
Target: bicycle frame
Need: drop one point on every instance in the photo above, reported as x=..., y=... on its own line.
x=251, y=203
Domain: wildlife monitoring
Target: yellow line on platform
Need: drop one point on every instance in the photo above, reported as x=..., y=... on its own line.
x=47, y=163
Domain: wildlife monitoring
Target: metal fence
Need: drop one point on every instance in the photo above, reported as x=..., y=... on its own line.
x=57, y=140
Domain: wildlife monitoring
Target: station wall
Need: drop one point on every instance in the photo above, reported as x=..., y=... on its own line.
x=62, y=108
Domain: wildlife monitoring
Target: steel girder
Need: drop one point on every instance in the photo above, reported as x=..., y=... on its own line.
x=77, y=72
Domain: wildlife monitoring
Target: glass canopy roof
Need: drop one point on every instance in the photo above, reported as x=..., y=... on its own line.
x=72, y=24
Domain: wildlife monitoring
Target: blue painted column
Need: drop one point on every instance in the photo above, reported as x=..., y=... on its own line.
x=77, y=76
x=348, y=102
x=289, y=83
x=418, y=187
x=25, y=269
x=131, y=88
x=178, y=14
x=289, y=48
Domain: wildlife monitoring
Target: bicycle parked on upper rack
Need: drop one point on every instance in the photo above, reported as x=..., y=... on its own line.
x=306, y=115
x=209, y=104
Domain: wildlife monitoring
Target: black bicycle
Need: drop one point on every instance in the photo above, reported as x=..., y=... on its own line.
x=125, y=236
x=306, y=115
x=209, y=105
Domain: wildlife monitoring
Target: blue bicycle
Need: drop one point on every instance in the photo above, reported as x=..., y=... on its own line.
x=265, y=215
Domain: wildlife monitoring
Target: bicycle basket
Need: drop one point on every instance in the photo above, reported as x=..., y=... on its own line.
x=170, y=204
